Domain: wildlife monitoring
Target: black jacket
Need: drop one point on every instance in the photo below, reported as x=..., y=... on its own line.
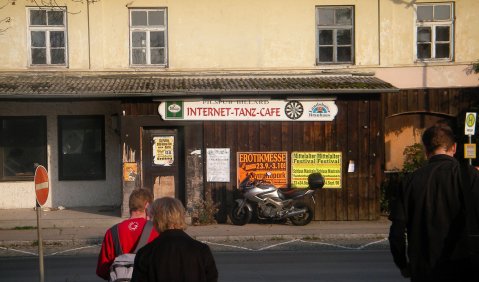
x=175, y=256
x=430, y=208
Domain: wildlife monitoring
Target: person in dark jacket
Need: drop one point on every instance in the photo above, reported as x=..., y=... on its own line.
x=430, y=209
x=173, y=256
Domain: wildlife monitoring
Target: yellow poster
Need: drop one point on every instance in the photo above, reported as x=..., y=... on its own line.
x=163, y=150
x=305, y=163
x=130, y=171
x=259, y=163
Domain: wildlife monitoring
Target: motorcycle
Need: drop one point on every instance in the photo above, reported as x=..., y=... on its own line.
x=271, y=203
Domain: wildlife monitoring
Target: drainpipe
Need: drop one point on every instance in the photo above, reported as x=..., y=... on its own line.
x=379, y=32
x=89, y=40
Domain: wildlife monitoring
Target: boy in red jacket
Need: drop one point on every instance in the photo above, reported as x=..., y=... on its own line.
x=129, y=231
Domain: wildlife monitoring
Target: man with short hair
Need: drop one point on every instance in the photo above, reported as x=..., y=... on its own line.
x=430, y=209
x=129, y=231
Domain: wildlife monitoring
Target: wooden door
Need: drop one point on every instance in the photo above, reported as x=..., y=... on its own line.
x=162, y=162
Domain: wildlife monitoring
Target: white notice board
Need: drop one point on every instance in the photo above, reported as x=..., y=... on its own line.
x=218, y=164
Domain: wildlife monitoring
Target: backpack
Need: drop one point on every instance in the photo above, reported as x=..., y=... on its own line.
x=122, y=267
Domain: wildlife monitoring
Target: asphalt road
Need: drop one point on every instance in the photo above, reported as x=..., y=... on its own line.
x=241, y=265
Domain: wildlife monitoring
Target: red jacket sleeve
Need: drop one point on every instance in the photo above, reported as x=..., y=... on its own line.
x=106, y=256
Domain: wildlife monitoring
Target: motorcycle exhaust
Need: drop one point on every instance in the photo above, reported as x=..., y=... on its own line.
x=294, y=213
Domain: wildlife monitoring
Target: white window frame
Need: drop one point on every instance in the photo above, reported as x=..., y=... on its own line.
x=335, y=28
x=148, y=30
x=432, y=24
x=47, y=29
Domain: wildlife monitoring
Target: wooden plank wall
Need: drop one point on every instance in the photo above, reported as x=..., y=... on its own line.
x=356, y=132
x=447, y=101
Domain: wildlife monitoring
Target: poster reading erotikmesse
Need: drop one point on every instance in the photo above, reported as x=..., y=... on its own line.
x=260, y=163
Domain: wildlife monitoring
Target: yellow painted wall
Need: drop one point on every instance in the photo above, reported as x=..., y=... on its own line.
x=397, y=31
x=238, y=35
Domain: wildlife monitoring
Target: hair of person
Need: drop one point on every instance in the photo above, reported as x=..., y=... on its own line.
x=139, y=198
x=438, y=136
x=168, y=213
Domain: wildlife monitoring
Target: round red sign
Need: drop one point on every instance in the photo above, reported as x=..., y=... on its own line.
x=41, y=185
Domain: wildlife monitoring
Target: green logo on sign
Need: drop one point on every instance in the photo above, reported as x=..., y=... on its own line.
x=470, y=120
x=174, y=109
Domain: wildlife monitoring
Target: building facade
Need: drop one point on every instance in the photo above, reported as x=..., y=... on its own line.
x=183, y=97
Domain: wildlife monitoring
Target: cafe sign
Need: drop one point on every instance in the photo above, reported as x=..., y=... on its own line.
x=250, y=110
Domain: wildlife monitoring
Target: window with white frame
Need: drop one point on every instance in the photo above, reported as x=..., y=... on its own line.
x=335, y=34
x=148, y=44
x=47, y=36
x=434, y=31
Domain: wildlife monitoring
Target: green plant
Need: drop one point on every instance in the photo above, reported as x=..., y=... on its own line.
x=204, y=211
x=414, y=158
x=24, y=227
x=475, y=67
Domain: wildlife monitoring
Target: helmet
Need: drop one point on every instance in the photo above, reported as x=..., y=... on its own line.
x=315, y=180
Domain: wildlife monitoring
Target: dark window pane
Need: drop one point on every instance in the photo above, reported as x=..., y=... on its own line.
x=156, y=18
x=38, y=17
x=82, y=154
x=424, y=51
x=138, y=18
x=55, y=18
x=138, y=39
x=58, y=56
x=138, y=56
x=424, y=13
x=57, y=39
x=344, y=54
x=442, y=12
x=326, y=54
x=343, y=16
x=157, y=39
x=442, y=51
x=423, y=34
x=158, y=56
x=343, y=36
x=325, y=37
x=23, y=142
x=39, y=56
x=325, y=16
x=442, y=33
x=38, y=39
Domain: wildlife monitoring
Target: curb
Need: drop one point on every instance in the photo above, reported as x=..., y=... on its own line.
x=225, y=238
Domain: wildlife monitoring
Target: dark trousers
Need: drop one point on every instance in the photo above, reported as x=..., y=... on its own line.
x=450, y=271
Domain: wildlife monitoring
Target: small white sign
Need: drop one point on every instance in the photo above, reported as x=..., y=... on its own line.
x=470, y=124
x=351, y=166
x=218, y=164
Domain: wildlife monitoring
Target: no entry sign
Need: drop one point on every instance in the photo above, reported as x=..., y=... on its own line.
x=41, y=185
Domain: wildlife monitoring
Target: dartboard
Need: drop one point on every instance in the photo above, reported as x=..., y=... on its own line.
x=293, y=109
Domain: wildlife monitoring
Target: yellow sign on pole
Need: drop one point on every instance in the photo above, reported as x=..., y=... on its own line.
x=469, y=151
x=305, y=163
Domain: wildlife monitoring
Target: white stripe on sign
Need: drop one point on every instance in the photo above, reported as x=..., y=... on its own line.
x=41, y=186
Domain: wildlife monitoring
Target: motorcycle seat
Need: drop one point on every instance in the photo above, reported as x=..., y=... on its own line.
x=289, y=193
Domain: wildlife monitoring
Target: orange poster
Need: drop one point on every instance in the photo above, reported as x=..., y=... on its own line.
x=259, y=163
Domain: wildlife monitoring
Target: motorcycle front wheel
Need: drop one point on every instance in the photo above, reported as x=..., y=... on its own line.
x=240, y=216
x=304, y=218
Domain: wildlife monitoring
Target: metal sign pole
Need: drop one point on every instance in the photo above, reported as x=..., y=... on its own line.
x=40, y=245
x=470, y=142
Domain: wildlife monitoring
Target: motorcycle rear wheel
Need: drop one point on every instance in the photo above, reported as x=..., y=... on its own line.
x=302, y=219
x=240, y=217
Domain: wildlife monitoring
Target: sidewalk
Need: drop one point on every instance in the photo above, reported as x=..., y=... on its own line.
x=88, y=225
